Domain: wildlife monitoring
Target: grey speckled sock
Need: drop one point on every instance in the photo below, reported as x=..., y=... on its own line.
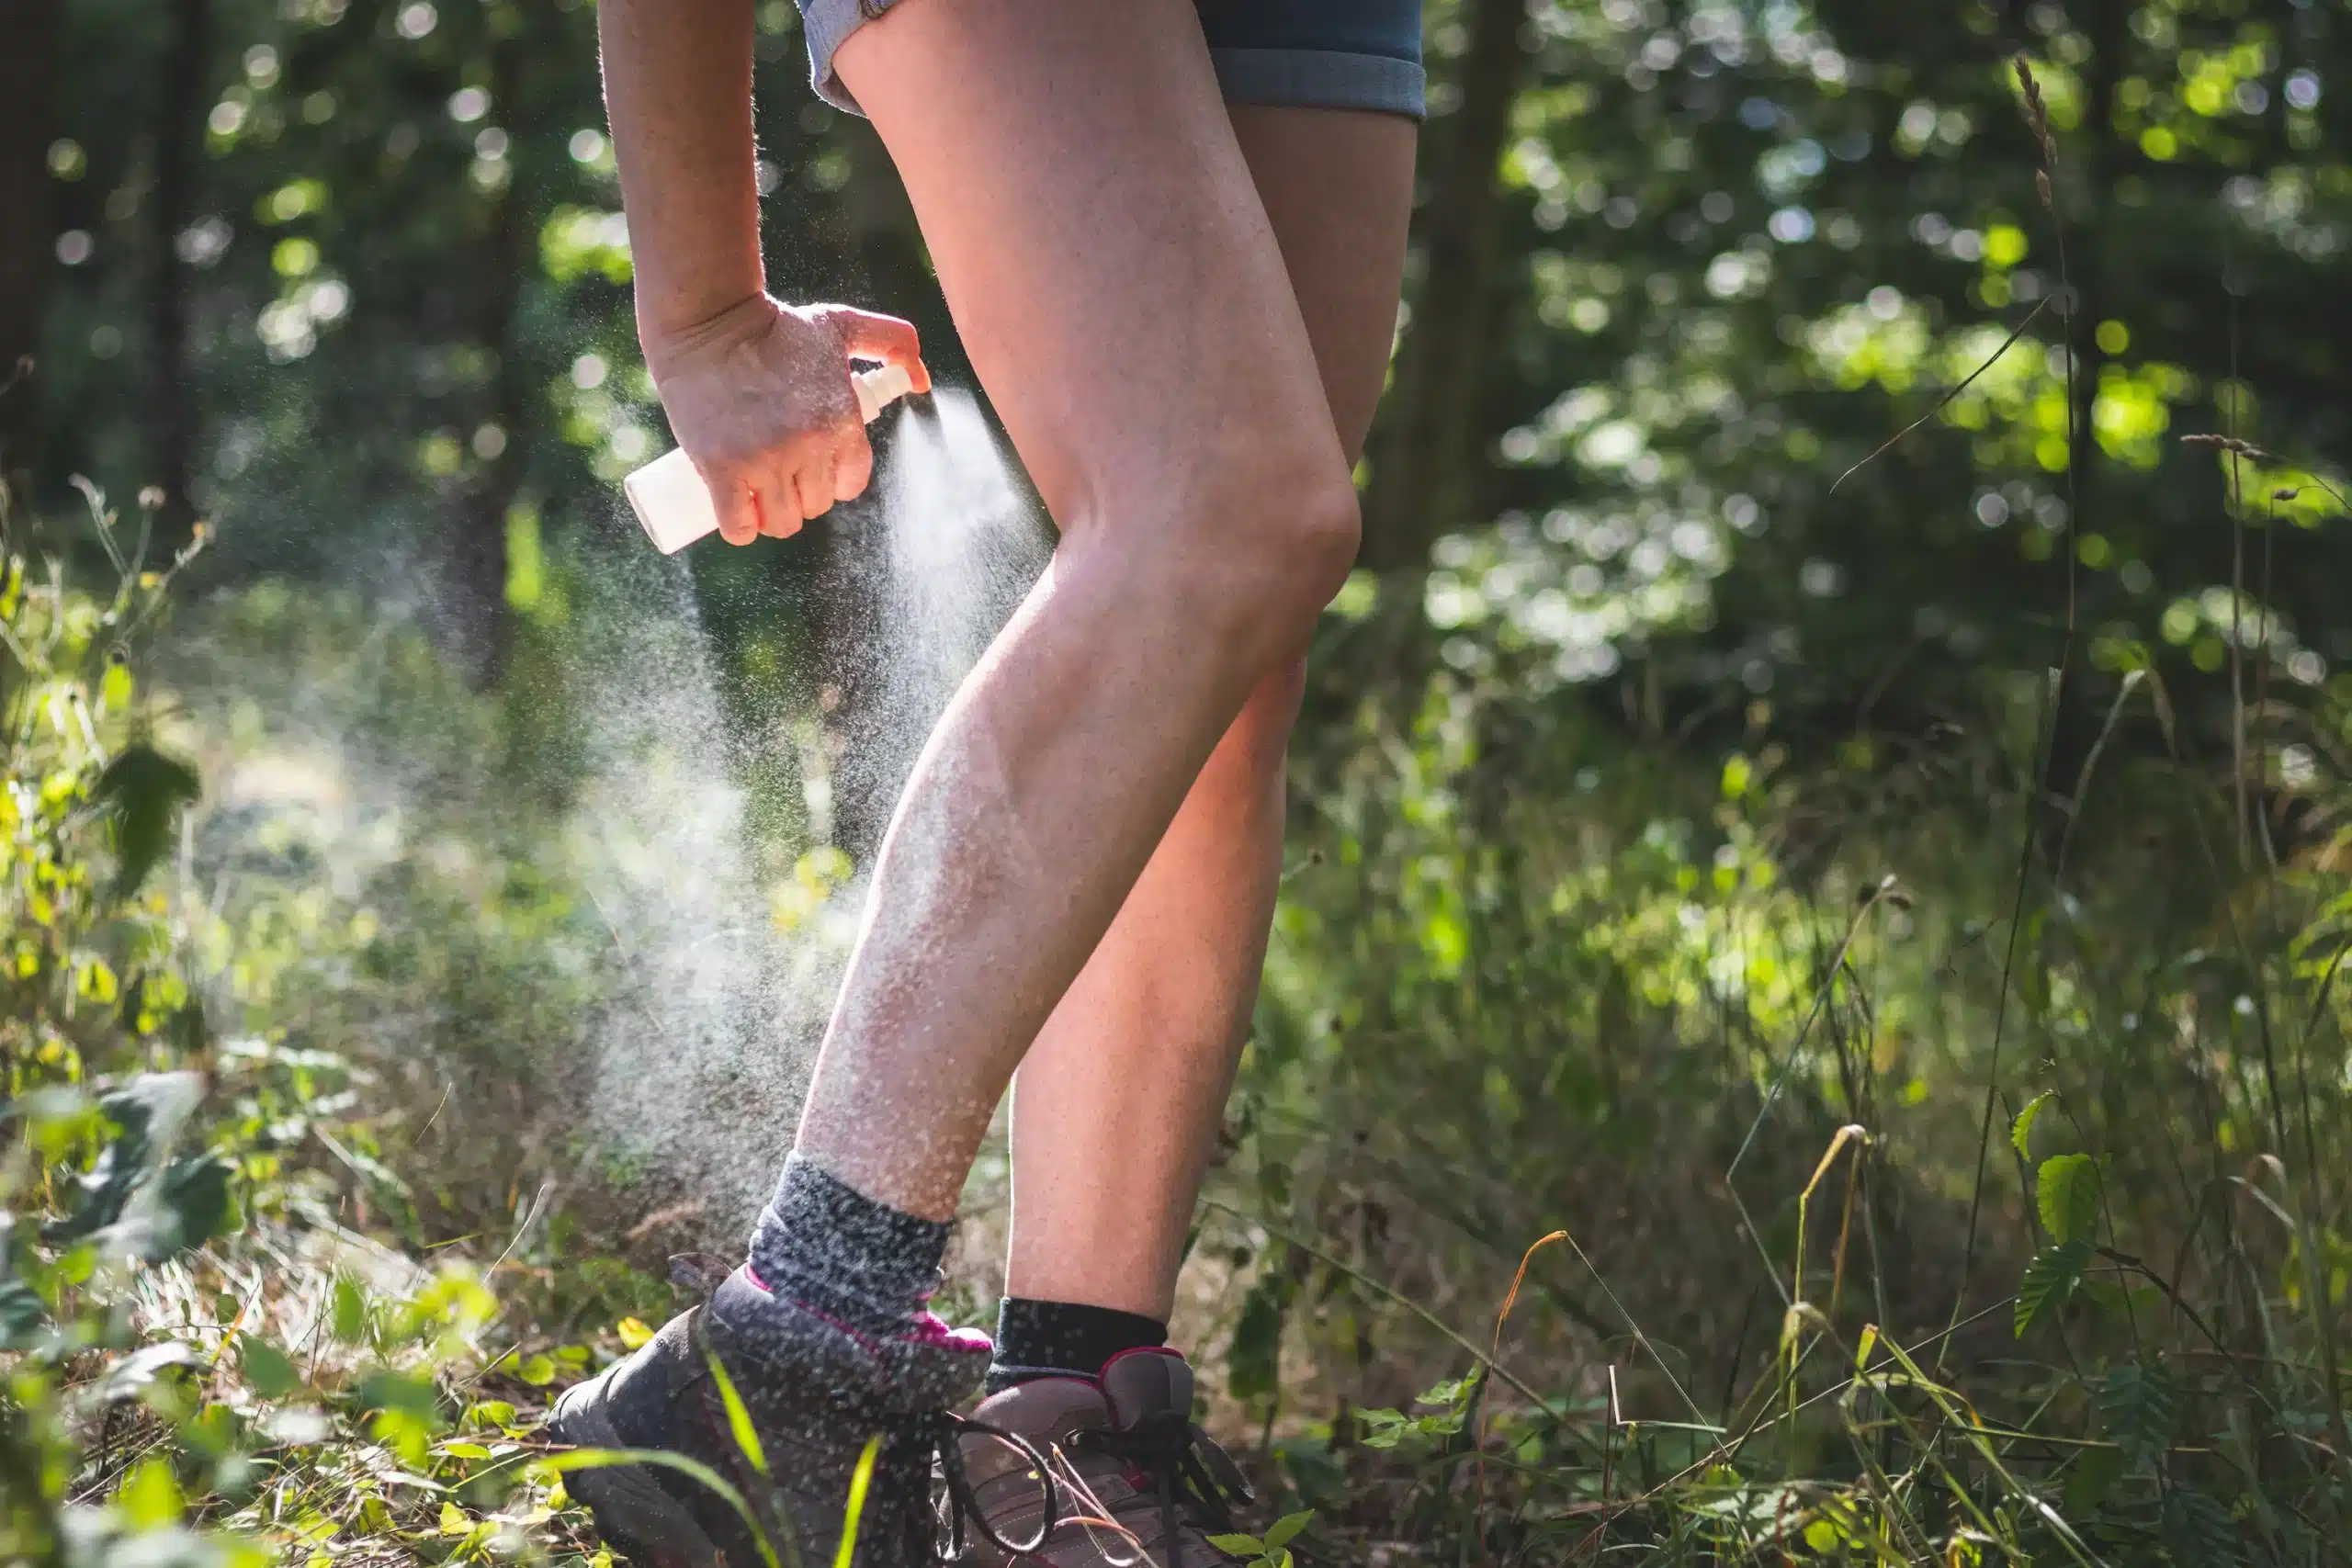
x=823, y=1244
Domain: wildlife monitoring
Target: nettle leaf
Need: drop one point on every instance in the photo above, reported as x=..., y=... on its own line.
x=2049, y=1279
x=2021, y=1130
x=2139, y=1410
x=141, y=793
x=2067, y=1194
x=2198, y=1529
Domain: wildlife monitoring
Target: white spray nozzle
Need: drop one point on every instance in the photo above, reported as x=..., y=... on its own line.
x=675, y=505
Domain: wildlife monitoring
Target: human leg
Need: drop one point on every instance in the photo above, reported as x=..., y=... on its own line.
x=1117, y=286
x=1117, y=1105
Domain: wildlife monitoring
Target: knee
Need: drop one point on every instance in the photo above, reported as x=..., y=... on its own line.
x=1263, y=552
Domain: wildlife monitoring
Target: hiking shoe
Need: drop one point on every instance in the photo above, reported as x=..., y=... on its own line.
x=816, y=1392
x=1127, y=1469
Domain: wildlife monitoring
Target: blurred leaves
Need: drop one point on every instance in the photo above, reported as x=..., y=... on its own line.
x=141, y=793
x=186, y=1198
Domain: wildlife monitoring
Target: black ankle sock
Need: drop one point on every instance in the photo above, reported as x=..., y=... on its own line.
x=829, y=1246
x=1043, y=1339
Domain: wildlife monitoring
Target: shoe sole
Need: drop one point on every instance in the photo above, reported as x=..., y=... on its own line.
x=634, y=1513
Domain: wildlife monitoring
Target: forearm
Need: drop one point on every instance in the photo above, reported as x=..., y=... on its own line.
x=678, y=91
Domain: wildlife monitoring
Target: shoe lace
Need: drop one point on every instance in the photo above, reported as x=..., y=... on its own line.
x=1189, y=1477
x=943, y=1431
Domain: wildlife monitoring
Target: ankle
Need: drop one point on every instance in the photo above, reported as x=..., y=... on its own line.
x=1042, y=1339
x=826, y=1245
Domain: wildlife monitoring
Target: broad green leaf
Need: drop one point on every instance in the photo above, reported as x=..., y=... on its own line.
x=1252, y=1357
x=410, y=1395
x=538, y=1371
x=150, y=1497
x=2067, y=1194
x=350, y=1313
x=142, y=792
x=1283, y=1529
x=2021, y=1130
x=1238, y=1545
x=2048, y=1281
x=196, y=1204
x=2094, y=1477
x=146, y=1114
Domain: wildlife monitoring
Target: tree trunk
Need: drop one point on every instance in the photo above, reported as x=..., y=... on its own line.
x=1426, y=461
x=28, y=123
x=482, y=622
x=179, y=134
x=2085, y=174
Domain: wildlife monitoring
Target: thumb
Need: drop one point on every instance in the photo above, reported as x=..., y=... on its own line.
x=887, y=338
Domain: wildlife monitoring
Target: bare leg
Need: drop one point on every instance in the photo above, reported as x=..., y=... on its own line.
x=1121, y=292
x=1117, y=1107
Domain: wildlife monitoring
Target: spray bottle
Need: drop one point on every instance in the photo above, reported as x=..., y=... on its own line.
x=671, y=500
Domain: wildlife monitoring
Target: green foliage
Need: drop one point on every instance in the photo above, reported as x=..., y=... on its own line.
x=134, y=1138
x=2050, y=1280
x=1452, y=1402
x=1586, y=920
x=142, y=790
x=1273, y=1549
x=2021, y=1130
x=2065, y=1194
x=2138, y=1411
x=2197, y=1529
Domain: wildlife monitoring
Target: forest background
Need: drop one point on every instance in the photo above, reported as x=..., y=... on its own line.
x=1828, y=788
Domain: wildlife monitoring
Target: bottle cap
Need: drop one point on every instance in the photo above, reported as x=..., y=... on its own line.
x=673, y=504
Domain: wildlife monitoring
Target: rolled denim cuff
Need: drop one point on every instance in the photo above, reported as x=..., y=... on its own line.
x=1321, y=78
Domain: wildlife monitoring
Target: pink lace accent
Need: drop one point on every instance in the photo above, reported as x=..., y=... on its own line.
x=928, y=1328
x=931, y=1330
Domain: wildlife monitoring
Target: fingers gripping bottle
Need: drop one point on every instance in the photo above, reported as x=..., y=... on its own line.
x=671, y=500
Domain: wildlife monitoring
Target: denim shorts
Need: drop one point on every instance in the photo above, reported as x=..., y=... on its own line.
x=1333, y=54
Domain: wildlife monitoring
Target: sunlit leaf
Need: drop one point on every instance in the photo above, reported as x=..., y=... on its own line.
x=149, y=1497
x=2021, y=1130
x=2049, y=1279
x=1281, y=1532
x=2067, y=1194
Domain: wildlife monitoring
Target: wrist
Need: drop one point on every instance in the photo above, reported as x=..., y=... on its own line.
x=669, y=337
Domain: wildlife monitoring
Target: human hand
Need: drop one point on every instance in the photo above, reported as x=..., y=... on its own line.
x=759, y=396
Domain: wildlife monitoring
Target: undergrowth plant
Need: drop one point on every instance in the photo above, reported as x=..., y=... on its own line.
x=202, y=1365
